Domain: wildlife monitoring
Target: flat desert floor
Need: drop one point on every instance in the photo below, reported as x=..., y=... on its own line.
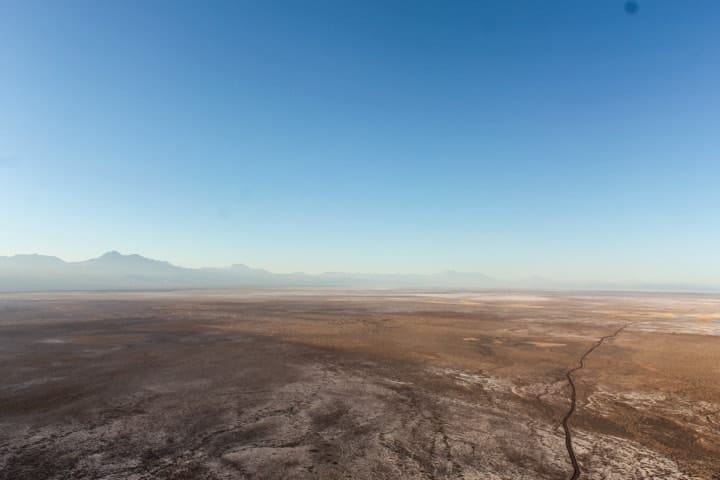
x=351, y=384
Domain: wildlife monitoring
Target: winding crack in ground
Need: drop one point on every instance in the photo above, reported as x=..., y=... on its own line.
x=573, y=401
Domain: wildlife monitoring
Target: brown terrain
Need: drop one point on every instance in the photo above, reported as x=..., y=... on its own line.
x=351, y=384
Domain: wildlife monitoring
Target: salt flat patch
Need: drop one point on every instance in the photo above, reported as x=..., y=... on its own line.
x=452, y=301
x=178, y=386
x=466, y=379
x=602, y=400
x=483, y=297
x=30, y=383
x=392, y=381
x=98, y=352
x=52, y=341
x=547, y=344
x=550, y=392
x=614, y=458
x=548, y=332
x=109, y=339
x=688, y=326
x=512, y=298
x=263, y=461
x=699, y=415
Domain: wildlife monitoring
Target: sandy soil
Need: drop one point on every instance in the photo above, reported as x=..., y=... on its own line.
x=332, y=384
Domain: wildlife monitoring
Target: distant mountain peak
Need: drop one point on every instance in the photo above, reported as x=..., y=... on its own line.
x=115, y=255
x=32, y=259
x=115, y=259
x=242, y=268
x=36, y=256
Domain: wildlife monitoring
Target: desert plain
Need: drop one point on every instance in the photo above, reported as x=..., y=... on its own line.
x=359, y=384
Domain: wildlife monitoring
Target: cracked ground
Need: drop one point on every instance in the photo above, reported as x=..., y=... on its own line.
x=313, y=384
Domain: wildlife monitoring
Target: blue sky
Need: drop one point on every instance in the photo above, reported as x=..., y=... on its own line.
x=567, y=139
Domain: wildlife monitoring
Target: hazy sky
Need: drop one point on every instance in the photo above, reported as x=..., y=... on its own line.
x=568, y=139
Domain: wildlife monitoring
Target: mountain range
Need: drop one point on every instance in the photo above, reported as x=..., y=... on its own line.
x=115, y=271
